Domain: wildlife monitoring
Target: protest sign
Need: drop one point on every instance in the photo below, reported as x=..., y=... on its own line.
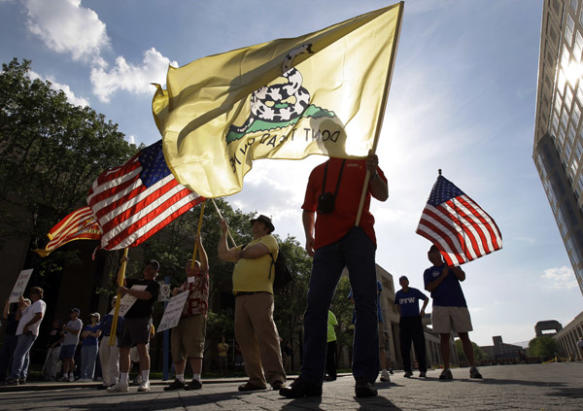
x=173, y=311
x=20, y=285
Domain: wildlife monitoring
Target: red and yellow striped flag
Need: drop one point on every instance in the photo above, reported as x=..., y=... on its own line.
x=79, y=225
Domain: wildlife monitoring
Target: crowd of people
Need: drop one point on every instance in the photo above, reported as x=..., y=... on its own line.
x=330, y=209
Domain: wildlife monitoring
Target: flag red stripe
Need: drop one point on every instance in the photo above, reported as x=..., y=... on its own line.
x=163, y=223
x=445, y=237
x=456, y=246
x=459, y=218
x=139, y=203
x=147, y=218
x=488, y=224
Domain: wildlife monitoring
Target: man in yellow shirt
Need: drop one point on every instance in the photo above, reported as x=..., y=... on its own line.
x=255, y=329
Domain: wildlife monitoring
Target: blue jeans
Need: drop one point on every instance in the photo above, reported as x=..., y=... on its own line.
x=21, y=356
x=88, y=357
x=356, y=252
x=6, y=355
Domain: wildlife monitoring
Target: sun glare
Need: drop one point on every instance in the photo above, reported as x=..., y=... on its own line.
x=573, y=72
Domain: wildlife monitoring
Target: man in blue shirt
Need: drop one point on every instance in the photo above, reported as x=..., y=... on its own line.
x=450, y=311
x=410, y=326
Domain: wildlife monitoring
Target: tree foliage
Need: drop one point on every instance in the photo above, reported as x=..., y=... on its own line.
x=51, y=150
x=544, y=347
x=479, y=355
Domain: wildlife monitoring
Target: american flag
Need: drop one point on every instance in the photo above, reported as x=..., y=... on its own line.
x=78, y=225
x=134, y=201
x=457, y=225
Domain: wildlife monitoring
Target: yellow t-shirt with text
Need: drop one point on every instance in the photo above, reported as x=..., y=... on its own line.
x=253, y=274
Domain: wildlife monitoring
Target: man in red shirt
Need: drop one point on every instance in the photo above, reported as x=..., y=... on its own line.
x=333, y=195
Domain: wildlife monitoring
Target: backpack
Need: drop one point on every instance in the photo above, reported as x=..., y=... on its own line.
x=283, y=275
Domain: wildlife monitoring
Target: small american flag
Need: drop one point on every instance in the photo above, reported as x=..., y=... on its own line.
x=136, y=200
x=457, y=225
x=78, y=225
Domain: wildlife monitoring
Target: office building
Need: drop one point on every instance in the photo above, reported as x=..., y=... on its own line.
x=558, y=134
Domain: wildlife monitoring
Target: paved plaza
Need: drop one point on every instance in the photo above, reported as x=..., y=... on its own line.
x=517, y=387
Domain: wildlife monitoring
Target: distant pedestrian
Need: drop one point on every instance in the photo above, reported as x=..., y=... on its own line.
x=90, y=347
x=10, y=323
x=72, y=332
x=137, y=327
x=450, y=311
x=26, y=334
x=331, y=361
x=188, y=337
x=222, y=354
x=410, y=325
x=54, y=341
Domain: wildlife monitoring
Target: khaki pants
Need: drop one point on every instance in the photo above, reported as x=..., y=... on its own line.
x=109, y=358
x=258, y=338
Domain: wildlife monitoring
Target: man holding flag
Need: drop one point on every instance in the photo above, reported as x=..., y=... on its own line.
x=460, y=231
x=450, y=312
x=333, y=192
x=137, y=327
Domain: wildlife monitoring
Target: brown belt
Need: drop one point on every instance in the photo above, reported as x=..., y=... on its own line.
x=250, y=293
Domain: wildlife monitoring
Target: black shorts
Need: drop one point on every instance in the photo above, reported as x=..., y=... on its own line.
x=135, y=331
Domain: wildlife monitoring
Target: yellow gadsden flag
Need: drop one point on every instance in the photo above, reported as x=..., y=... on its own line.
x=321, y=93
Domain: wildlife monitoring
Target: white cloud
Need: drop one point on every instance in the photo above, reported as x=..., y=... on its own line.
x=560, y=278
x=132, y=78
x=66, y=27
x=73, y=99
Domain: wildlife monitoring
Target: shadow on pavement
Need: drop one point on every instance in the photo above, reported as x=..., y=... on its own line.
x=567, y=392
x=496, y=381
x=310, y=403
x=160, y=403
x=379, y=402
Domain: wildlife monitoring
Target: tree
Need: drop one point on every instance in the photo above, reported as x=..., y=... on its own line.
x=51, y=151
x=544, y=347
x=479, y=355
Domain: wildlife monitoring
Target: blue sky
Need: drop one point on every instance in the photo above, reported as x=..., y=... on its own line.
x=462, y=99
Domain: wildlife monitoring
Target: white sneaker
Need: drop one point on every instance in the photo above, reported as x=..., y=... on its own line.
x=144, y=386
x=385, y=376
x=119, y=387
x=71, y=378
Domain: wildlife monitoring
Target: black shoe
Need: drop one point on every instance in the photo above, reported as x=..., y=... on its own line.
x=300, y=388
x=250, y=387
x=330, y=378
x=176, y=385
x=365, y=389
x=193, y=385
x=276, y=385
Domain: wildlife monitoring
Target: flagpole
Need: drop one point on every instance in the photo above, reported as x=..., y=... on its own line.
x=120, y=280
x=382, y=111
x=197, y=235
x=221, y=216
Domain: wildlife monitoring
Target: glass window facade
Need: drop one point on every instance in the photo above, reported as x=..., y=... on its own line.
x=558, y=140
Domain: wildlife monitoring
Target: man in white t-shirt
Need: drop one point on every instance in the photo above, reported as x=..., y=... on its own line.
x=26, y=333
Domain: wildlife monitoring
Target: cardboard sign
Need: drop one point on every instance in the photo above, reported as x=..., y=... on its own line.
x=127, y=301
x=173, y=311
x=20, y=285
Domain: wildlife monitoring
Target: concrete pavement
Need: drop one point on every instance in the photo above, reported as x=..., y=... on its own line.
x=517, y=387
